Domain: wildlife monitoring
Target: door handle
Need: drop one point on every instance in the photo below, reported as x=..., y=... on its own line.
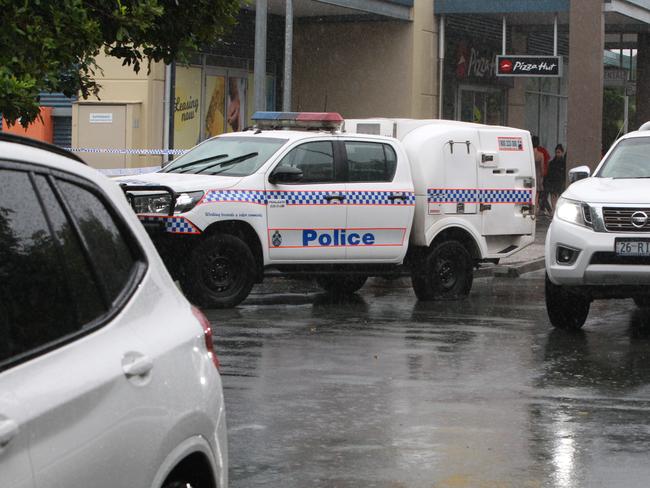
x=329, y=198
x=397, y=197
x=8, y=430
x=485, y=206
x=136, y=365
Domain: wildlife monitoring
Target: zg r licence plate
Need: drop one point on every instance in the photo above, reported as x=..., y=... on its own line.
x=632, y=247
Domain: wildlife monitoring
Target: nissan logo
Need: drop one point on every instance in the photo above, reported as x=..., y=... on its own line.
x=639, y=219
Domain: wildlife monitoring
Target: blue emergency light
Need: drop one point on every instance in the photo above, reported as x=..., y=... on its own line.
x=298, y=120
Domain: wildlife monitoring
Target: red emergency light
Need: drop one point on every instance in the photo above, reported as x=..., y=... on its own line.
x=298, y=120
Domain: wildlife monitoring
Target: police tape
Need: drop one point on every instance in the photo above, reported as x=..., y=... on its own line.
x=140, y=152
x=127, y=171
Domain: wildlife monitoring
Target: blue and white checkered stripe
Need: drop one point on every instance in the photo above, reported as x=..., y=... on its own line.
x=262, y=197
x=173, y=225
x=379, y=198
x=448, y=195
x=302, y=197
x=506, y=196
x=244, y=196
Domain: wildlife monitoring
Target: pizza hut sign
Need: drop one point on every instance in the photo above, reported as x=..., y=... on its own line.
x=539, y=66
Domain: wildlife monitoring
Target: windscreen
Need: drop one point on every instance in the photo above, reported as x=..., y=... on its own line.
x=227, y=156
x=629, y=159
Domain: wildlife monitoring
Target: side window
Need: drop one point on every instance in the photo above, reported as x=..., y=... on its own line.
x=108, y=250
x=315, y=159
x=370, y=161
x=35, y=305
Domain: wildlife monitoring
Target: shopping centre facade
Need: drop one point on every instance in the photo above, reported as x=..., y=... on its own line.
x=388, y=58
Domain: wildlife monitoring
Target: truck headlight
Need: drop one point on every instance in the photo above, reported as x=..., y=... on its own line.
x=187, y=201
x=152, y=204
x=574, y=212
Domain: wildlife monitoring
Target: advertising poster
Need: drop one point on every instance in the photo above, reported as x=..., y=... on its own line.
x=187, y=116
x=215, y=99
x=236, y=104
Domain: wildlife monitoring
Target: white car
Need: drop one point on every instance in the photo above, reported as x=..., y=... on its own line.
x=108, y=377
x=598, y=244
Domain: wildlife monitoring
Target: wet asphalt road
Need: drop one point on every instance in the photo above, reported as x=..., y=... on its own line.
x=383, y=391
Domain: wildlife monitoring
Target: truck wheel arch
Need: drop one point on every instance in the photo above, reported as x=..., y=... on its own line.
x=246, y=233
x=461, y=235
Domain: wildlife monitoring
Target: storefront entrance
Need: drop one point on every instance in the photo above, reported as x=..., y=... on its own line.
x=481, y=104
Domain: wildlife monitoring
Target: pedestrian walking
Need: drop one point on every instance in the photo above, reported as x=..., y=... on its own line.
x=540, y=164
x=555, y=178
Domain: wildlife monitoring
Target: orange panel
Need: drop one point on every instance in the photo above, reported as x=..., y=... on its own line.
x=42, y=128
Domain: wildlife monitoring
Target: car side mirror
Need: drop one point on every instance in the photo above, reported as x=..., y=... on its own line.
x=579, y=173
x=285, y=174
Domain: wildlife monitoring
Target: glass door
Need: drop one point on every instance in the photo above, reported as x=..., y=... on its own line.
x=483, y=105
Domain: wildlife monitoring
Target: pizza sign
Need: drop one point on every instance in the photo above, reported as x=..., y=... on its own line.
x=544, y=66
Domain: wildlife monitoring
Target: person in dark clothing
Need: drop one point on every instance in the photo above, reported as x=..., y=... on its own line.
x=555, y=178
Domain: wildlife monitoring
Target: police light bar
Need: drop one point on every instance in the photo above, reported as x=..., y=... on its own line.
x=298, y=120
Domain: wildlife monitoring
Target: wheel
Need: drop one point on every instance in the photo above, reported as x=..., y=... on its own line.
x=341, y=284
x=220, y=272
x=642, y=302
x=444, y=272
x=566, y=310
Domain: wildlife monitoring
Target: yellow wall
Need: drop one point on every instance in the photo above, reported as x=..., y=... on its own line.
x=121, y=84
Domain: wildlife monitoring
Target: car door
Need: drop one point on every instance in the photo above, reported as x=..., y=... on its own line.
x=380, y=200
x=82, y=379
x=305, y=218
x=506, y=175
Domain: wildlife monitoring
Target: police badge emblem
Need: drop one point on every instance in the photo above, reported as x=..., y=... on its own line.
x=276, y=240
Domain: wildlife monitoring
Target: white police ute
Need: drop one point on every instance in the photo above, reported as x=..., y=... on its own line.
x=298, y=194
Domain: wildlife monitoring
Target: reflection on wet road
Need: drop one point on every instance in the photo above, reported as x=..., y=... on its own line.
x=383, y=391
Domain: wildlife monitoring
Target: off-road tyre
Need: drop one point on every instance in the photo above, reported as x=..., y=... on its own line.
x=340, y=285
x=566, y=310
x=443, y=272
x=220, y=272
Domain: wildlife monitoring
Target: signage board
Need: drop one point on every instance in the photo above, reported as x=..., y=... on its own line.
x=533, y=66
x=100, y=118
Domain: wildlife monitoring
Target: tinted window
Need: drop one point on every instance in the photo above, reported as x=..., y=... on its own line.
x=35, y=304
x=370, y=161
x=109, y=251
x=84, y=289
x=315, y=159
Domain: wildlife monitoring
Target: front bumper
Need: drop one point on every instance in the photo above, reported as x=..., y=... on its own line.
x=596, y=266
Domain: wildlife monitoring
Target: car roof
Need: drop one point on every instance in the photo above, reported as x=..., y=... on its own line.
x=26, y=150
x=297, y=135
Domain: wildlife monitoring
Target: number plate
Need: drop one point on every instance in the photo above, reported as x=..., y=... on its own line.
x=632, y=247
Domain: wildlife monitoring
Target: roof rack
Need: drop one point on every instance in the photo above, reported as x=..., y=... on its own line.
x=26, y=141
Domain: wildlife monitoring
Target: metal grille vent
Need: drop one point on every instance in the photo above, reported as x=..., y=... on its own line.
x=619, y=219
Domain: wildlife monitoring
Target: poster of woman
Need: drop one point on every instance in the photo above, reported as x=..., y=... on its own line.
x=236, y=104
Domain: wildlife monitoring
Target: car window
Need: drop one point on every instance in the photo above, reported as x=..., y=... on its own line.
x=629, y=159
x=370, y=161
x=109, y=251
x=83, y=286
x=35, y=305
x=315, y=159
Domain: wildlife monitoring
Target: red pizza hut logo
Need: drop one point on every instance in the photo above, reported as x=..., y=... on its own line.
x=505, y=66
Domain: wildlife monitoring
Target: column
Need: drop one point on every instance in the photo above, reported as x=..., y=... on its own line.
x=585, y=102
x=642, y=81
x=259, y=69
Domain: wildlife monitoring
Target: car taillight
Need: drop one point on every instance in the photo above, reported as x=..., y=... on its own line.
x=207, y=335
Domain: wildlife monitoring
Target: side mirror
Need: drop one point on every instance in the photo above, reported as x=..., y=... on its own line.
x=579, y=173
x=285, y=174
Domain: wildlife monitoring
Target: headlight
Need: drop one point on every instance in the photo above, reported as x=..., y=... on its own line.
x=187, y=201
x=574, y=212
x=152, y=204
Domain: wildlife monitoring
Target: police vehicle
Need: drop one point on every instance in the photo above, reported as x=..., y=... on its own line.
x=298, y=194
